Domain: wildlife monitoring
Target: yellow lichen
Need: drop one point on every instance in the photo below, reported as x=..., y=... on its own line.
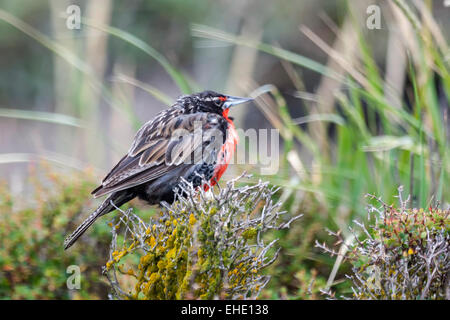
x=249, y=233
x=178, y=261
x=152, y=241
x=192, y=219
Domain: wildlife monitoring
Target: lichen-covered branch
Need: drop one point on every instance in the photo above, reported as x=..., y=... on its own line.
x=206, y=245
x=404, y=254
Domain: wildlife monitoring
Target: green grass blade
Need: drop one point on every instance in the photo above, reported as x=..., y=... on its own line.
x=41, y=116
x=66, y=55
x=179, y=79
x=46, y=42
x=60, y=159
x=168, y=101
x=202, y=31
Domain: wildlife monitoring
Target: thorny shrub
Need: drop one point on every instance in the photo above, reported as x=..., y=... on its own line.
x=404, y=254
x=207, y=245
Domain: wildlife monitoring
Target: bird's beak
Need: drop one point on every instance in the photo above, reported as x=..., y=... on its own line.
x=233, y=101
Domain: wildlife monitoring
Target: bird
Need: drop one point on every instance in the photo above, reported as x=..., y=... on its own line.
x=194, y=140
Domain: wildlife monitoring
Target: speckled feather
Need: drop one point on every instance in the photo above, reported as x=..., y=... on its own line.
x=166, y=148
x=156, y=150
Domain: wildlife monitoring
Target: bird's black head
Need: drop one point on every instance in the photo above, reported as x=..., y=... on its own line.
x=210, y=101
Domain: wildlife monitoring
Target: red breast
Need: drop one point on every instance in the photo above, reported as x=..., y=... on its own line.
x=226, y=152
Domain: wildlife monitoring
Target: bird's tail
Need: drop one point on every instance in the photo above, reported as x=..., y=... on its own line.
x=107, y=206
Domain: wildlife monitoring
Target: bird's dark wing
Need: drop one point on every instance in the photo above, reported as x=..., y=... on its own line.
x=163, y=144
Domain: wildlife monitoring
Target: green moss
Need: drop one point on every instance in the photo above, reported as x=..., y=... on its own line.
x=249, y=233
x=393, y=263
x=33, y=264
x=190, y=252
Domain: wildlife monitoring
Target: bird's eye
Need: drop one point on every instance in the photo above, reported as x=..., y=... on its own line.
x=220, y=100
x=217, y=102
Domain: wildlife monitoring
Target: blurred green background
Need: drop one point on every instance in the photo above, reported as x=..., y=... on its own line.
x=359, y=111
